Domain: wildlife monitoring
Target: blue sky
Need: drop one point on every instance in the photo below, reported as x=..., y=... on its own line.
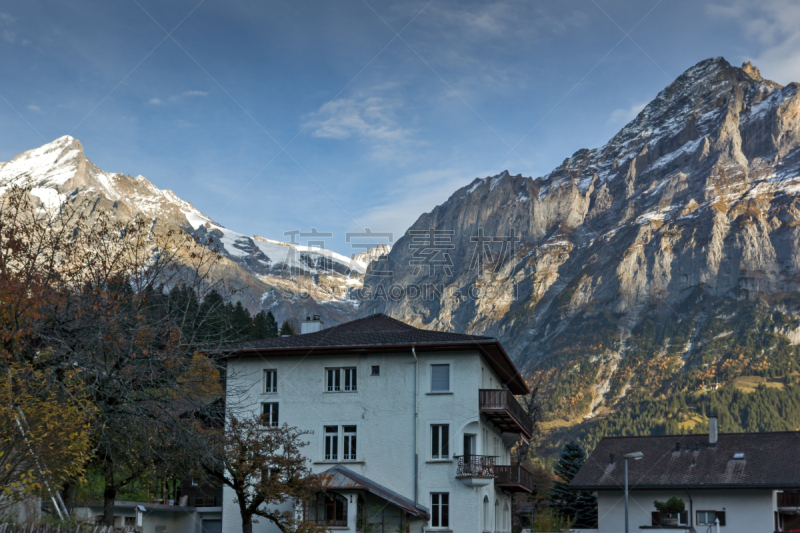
x=292, y=114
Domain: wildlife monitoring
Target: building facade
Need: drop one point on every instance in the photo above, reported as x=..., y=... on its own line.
x=729, y=482
x=411, y=428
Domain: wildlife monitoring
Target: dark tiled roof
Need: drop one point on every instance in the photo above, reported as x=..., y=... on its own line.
x=771, y=460
x=343, y=478
x=374, y=330
x=380, y=333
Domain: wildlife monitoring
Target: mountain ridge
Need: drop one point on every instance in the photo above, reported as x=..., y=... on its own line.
x=290, y=280
x=691, y=206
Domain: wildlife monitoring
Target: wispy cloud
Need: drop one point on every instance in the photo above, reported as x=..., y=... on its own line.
x=373, y=120
x=6, y=23
x=774, y=25
x=33, y=107
x=622, y=116
x=175, y=98
x=419, y=193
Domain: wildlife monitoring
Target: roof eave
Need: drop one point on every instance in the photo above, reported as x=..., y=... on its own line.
x=640, y=487
x=513, y=378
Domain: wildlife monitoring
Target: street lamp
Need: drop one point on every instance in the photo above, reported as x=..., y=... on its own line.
x=635, y=456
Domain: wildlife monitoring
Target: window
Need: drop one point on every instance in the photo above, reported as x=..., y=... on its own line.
x=341, y=380
x=270, y=412
x=440, y=509
x=506, y=517
x=440, y=378
x=440, y=441
x=130, y=521
x=270, y=381
x=349, y=443
x=331, y=443
x=328, y=509
x=486, y=520
x=496, y=515
x=376, y=370
x=707, y=518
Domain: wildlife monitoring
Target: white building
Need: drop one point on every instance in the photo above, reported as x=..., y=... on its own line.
x=156, y=517
x=410, y=426
x=745, y=482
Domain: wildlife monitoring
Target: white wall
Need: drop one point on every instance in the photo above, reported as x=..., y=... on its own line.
x=383, y=411
x=746, y=511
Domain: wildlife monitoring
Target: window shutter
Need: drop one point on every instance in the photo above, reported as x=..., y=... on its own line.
x=440, y=378
x=721, y=516
x=656, y=518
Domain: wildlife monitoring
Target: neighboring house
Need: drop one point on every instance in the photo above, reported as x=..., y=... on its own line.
x=157, y=517
x=410, y=427
x=748, y=482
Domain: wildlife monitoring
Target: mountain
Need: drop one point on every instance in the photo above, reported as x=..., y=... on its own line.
x=658, y=264
x=290, y=280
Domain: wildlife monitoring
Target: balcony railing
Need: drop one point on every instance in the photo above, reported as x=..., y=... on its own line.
x=475, y=466
x=513, y=478
x=504, y=411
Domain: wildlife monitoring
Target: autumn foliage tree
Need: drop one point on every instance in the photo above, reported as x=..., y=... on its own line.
x=91, y=303
x=266, y=469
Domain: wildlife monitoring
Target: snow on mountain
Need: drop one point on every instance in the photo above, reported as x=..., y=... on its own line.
x=373, y=254
x=291, y=280
x=692, y=204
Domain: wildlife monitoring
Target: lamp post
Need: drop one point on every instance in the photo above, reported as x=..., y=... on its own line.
x=635, y=456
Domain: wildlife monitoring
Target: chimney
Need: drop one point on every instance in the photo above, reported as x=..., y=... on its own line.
x=713, y=431
x=311, y=324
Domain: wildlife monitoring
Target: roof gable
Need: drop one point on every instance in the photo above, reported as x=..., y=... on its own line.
x=339, y=477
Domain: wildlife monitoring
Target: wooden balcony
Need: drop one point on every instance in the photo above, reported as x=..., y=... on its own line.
x=504, y=411
x=513, y=478
x=788, y=500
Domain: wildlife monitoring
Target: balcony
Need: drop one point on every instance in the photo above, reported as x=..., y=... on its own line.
x=513, y=478
x=475, y=470
x=504, y=411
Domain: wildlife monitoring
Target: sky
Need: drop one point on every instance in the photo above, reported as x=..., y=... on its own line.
x=290, y=114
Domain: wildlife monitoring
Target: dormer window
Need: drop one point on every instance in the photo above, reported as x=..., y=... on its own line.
x=738, y=456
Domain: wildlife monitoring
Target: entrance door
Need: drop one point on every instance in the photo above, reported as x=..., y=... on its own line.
x=212, y=526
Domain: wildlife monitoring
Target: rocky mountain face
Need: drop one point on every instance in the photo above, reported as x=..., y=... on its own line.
x=290, y=280
x=630, y=267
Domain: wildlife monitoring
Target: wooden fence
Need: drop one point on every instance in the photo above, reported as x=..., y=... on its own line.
x=49, y=528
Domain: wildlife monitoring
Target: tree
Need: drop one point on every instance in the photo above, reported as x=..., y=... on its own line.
x=84, y=301
x=578, y=507
x=45, y=432
x=264, y=326
x=286, y=328
x=265, y=468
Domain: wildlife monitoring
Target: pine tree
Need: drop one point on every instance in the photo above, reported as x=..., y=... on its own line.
x=242, y=321
x=272, y=325
x=286, y=328
x=264, y=326
x=579, y=507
